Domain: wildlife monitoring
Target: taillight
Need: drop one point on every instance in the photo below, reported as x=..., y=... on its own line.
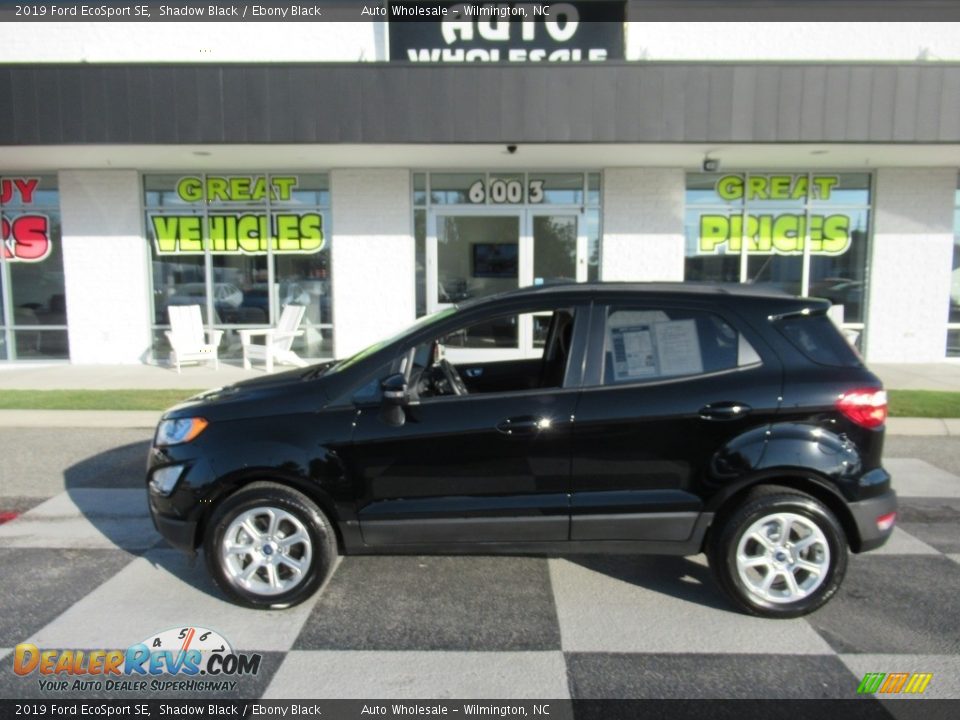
x=885, y=522
x=867, y=407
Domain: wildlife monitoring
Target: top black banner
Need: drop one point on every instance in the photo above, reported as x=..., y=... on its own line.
x=424, y=10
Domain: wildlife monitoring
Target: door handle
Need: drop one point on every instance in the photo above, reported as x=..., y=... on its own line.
x=523, y=425
x=724, y=411
x=473, y=372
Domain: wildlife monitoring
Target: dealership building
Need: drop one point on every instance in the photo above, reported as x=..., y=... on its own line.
x=376, y=171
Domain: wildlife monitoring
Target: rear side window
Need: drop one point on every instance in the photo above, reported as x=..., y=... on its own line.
x=649, y=344
x=819, y=340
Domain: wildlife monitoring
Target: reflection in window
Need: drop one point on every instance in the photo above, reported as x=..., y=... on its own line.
x=242, y=246
x=33, y=307
x=803, y=233
x=953, y=327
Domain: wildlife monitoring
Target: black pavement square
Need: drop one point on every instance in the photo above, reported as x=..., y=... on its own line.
x=935, y=521
x=707, y=676
x=905, y=604
x=435, y=603
x=40, y=583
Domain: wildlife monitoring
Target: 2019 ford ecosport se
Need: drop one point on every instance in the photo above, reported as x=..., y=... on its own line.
x=593, y=418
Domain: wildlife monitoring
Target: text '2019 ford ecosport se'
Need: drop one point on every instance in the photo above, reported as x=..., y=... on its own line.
x=595, y=418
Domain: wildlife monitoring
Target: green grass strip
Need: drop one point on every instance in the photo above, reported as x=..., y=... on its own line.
x=924, y=403
x=92, y=399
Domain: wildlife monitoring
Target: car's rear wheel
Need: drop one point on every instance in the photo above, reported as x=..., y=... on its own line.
x=780, y=554
x=269, y=546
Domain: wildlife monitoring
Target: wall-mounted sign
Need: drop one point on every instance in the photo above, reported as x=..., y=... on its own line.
x=247, y=231
x=456, y=32
x=778, y=232
x=25, y=236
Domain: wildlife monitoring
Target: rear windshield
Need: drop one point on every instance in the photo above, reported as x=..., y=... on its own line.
x=819, y=339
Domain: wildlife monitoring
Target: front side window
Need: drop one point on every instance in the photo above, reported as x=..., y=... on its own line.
x=437, y=367
x=805, y=233
x=241, y=246
x=33, y=307
x=647, y=344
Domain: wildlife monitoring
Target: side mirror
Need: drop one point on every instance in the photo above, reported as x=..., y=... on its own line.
x=394, y=390
x=394, y=398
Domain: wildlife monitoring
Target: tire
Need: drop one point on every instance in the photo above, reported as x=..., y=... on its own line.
x=261, y=572
x=814, y=554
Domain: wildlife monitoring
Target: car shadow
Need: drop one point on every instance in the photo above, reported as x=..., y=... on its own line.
x=122, y=517
x=683, y=578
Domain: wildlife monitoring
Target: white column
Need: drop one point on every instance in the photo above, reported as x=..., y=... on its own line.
x=643, y=224
x=910, y=265
x=105, y=266
x=373, y=257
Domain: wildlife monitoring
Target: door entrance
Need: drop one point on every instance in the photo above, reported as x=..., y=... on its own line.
x=476, y=253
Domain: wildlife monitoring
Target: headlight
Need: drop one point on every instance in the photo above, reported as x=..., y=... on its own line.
x=174, y=432
x=165, y=479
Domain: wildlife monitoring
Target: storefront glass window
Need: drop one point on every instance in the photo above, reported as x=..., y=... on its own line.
x=241, y=247
x=805, y=233
x=33, y=308
x=953, y=328
x=477, y=233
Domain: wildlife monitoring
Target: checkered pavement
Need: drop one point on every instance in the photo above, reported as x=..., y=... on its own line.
x=85, y=569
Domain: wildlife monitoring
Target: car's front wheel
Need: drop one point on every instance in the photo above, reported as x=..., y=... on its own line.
x=269, y=546
x=780, y=554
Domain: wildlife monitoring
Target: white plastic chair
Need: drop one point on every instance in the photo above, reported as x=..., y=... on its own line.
x=188, y=340
x=276, y=341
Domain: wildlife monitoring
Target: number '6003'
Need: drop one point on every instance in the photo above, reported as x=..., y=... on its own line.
x=505, y=191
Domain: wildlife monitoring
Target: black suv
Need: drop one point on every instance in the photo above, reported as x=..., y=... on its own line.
x=595, y=418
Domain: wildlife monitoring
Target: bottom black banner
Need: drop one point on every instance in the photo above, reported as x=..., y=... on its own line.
x=859, y=709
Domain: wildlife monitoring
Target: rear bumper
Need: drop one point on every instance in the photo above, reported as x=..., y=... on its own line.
x=865, y=514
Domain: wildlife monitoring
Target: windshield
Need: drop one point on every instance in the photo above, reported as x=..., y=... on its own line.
x=368, y=351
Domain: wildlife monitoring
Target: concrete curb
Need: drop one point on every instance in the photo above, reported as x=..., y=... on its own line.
x=80, y=418
x=947, y=427
x=942, y=427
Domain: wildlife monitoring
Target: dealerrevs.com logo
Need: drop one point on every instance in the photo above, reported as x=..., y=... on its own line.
x=187, y=658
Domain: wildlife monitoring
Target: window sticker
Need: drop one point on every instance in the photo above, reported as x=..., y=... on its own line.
x=647, y=344
x=678, y=347
x=633, y=353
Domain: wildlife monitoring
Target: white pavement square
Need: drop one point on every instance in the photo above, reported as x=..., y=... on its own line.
x=903, y=543
x=916, y=478
x=162, y=590
x=420, y=675
x=625, y=616
x=85, y=518
x=945, y=683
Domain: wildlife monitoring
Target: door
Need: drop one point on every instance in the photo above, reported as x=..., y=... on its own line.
x=480, y=467
x=666, y=387
x=476, y=253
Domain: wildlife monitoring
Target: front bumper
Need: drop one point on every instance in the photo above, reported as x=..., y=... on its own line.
x=865, y=514
x=182, y=534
